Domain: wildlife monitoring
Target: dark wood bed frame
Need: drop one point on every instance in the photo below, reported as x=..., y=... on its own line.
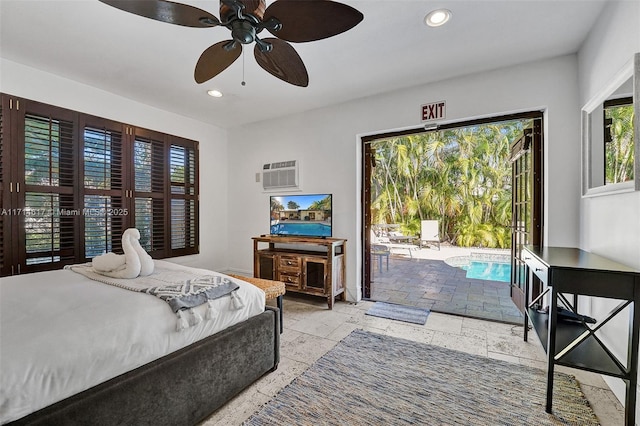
x=182, y=388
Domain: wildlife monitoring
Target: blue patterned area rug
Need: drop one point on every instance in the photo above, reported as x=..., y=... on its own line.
x=371, y=379
x=399, y=312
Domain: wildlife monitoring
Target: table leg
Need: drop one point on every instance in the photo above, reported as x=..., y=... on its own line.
x=551, y=347
x=632, y=360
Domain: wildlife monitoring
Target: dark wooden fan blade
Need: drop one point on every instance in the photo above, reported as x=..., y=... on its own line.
x=167, y=11
x=311, y=20
x=215, y=59
x=254, y=7
x=282, y=62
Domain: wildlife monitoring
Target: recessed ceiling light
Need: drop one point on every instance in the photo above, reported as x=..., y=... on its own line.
x=437, y=17
x=215, y=93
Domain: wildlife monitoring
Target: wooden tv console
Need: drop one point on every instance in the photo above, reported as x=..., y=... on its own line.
x=313, y=266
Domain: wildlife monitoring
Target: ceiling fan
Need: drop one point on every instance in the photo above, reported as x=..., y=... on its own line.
x=288, y=20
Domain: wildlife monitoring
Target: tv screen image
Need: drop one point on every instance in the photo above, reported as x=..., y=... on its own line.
x=301, y=215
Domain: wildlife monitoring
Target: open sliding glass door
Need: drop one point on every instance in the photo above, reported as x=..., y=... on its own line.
x=526, y=159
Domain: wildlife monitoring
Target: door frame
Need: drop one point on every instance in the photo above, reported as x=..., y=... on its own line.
x=529, y=147
x=368, y=160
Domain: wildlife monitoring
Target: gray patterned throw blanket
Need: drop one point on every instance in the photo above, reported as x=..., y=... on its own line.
x=182, y=288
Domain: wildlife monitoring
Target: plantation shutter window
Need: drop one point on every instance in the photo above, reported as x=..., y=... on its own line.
x=5, y=193
x=72, y=183
x=149, y=191
x=184, y=202
x=46, y=198
x=103, y=210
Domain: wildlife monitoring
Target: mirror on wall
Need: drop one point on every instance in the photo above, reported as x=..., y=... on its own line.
x=610, y=134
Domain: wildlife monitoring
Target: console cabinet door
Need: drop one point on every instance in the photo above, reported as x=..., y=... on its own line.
x=315, y=275
x=265, y=266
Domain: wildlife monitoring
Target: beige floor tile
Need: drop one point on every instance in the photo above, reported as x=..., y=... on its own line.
x=514, y=345
x=490, y=326
x=306, y=348
x=605, y=405
x=343, y=331
x=320, y=323
x=368, y=321
x=238, y=409
x=288, y=369
x=503, y=357
x=469, y=344
x=348, y=307
x=416, y=333
x=443, y=322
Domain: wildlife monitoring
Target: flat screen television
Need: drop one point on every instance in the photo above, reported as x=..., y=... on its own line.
x=301, y=215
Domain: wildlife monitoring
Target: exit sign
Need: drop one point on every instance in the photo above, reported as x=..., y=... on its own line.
x=434, y=111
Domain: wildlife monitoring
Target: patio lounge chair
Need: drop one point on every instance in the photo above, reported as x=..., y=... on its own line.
x=386, y=242
x=430, y=232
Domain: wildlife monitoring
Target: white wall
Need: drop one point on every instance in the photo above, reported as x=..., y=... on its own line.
x=328, y=144
x=610, y=225
x=30, y=83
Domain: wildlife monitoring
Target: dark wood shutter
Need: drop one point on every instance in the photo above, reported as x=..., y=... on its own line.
x=150, y=165
x=5, y=194
x=184, y=197
x=46, y=195
x=105, y=212
x=71, y=183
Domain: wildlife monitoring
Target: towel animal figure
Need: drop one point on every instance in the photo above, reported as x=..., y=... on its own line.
x=123, y=266
x=108, y=262
x=146, y=262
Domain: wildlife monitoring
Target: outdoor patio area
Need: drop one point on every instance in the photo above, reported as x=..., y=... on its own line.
x=422, y=278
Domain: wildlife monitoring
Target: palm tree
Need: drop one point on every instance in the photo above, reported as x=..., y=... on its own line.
x=462, y=177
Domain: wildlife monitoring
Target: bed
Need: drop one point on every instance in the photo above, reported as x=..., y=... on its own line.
x=76, y=351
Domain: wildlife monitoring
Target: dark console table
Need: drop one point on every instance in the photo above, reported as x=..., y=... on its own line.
x=571, y=271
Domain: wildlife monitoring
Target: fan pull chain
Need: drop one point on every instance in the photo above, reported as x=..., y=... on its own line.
x=243, y=82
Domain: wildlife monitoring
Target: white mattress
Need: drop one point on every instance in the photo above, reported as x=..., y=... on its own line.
x=62, y=333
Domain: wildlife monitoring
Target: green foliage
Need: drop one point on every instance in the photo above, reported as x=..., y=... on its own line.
x=324, y=204
x=461, y=177
x=619, y=151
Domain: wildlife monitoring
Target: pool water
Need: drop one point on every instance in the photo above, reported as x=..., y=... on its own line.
x=493, y=271
x=304, y=228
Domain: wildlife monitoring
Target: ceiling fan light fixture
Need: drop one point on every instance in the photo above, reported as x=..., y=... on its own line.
x=215, y=93
x=287, y=20
x=437, y=17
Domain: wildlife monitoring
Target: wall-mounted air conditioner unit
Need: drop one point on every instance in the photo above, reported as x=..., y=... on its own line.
x=282, y=175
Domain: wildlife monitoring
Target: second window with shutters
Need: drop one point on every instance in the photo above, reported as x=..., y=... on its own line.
x=75, y=182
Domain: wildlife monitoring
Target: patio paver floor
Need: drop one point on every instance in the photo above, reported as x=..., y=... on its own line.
x=432, y=284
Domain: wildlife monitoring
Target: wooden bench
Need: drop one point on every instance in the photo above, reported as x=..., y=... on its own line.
x=272, y=290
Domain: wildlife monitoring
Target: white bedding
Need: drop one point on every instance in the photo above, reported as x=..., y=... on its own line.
x=62, y=333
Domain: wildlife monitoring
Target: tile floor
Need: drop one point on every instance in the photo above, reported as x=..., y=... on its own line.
x=432, y=284
x=310, y=330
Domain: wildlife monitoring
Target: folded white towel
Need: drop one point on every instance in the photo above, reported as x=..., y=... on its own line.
x=108, y=262
x=146, y=262
x=132, y=265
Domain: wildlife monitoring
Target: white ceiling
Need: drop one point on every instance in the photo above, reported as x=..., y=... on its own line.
x=152, y=62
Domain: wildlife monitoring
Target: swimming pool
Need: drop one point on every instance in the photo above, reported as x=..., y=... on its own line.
x=484, y=266
x=492, y=271
x=317, y=229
